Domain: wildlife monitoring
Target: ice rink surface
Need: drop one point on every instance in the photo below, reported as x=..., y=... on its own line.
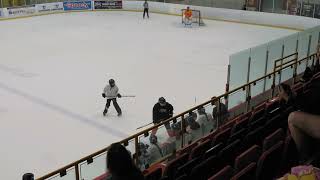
x=53, y=69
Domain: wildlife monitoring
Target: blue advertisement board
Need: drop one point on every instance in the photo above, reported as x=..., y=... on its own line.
x=77, y=5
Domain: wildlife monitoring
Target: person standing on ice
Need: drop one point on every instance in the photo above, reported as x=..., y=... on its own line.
x=145, y=9
x=188, y=16
x=161, y=111
x=111, y=93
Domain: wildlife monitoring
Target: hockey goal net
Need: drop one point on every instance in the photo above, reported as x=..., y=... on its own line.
x=196, y=17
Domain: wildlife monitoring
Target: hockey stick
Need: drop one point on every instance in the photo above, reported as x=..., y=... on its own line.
x=144, y=125
x=121, y=96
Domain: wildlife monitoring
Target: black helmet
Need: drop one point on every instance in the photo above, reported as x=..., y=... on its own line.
x=153, y=139
x=162, y=100
x=111, y=81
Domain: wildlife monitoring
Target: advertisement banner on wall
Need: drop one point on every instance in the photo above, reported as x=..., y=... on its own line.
x=77, y=5
x=49, y=7
x=1, y=13
x=108, y=4
x=21, y=11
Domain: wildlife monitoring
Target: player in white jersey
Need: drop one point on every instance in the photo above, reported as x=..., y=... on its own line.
x=111, y=93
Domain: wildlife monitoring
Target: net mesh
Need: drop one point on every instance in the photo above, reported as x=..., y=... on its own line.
x=196, y=16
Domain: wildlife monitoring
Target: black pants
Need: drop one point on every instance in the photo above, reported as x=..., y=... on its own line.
x=146, y=10
x=115, y=104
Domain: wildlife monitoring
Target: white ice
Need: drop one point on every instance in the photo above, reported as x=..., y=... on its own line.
x=53, y=69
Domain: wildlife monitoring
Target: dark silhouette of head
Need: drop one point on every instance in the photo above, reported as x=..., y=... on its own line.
x=285, y=92
x=119, y=161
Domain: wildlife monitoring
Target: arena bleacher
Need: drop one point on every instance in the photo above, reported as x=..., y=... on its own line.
x=255, y=145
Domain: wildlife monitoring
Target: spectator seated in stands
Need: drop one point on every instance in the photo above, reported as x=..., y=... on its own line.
x=305, y=129
x=307, y=75
x=222, y=115
x=304, y=122
x=149, y=154
x=155, y=151
x=121, y=165
x=286, y=96
x=143, y=156
x=206, y=121
x=192, y=127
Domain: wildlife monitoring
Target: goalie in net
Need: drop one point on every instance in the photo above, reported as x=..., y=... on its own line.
x=190, y=16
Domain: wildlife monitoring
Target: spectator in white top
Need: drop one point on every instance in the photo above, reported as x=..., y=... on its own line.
x=146, y=9
x=111, y=93
x=155, y=151
x=206, y=121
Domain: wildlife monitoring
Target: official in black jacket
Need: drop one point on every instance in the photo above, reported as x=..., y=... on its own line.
x=162, y=110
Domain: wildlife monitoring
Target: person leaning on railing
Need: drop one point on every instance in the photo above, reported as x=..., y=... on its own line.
x=120, y=164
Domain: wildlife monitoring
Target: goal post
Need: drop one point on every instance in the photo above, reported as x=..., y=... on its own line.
x=196, y=17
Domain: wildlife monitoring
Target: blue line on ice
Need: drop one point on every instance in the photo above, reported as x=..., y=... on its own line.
x=64, y=111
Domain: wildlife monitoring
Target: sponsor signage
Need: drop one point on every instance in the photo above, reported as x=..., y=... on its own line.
x=1, y=13
x=21, y=11
x=77, y=5
x=108, y=4
x=49, y=7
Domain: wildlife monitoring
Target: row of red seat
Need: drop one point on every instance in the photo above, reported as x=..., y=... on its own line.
x=248, y=132
x=238, y=134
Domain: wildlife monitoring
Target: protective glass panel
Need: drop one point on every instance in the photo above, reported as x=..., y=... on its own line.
x=302, y=50
x=236, y=98
x=96, y=168
x=257, y=88
x=269, y=80
x=201, y=3
x=71, y=175
x=258, y=62
x=274, y=53
x=317, y=10
x=307, y=8
x=290, y=47
x=236, y=103
x=193, y=128
x=158, y=143
x=239, y=68
x=257, y=94
x=205, y=119
x=267, y=5
x=314, y=40
x=228, y=4
x=280, y=6
x=286, y=73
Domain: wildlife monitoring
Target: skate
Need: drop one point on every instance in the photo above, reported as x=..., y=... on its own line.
x=120, y=113
x=105, y=112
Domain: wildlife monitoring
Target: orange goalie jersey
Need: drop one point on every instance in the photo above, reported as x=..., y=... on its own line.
x=188, y=13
